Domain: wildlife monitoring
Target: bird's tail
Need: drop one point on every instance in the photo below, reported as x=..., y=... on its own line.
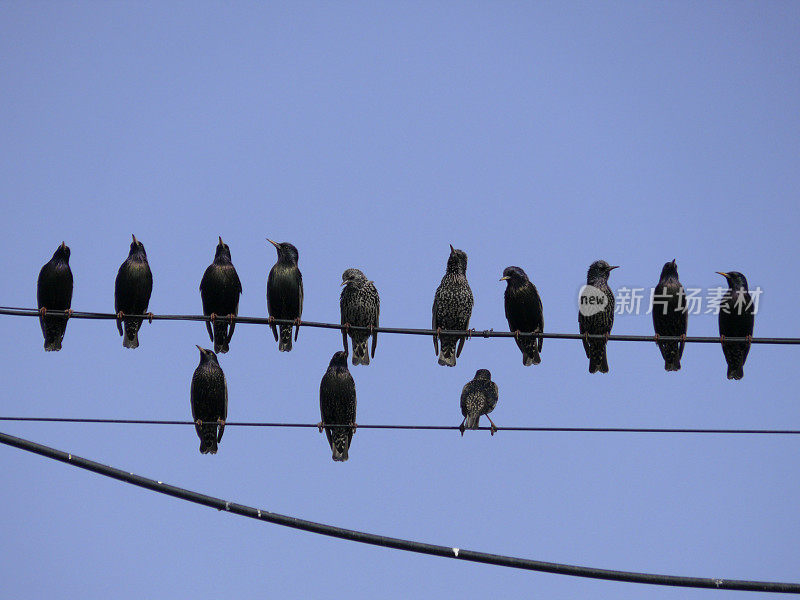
x=340, y=443
x=208, y=440
x=447, y=353
x=672, y=365
x=471, y=421
x=598, y=360
x=131, y=337
x=221, y=338
x=735, y=372
x=53, y=334
x=360, y=353
x=672, y=357
x=530, y=356
x=285, y=343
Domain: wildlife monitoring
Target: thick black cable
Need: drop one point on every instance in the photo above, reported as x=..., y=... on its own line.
x=409, y=427
x=396, y=543
x=471, y=333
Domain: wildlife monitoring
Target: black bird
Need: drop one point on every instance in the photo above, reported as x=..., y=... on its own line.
x=452, y=308
x=524, y=313
x=132, y=291
x=285, y=293
x=479, y=397
x=54, y=292
x=209, y=398
x=220, y=289
x=597, y=317
x=359, y=305
x=670, y=315
x=736, y=316
x=337, y=405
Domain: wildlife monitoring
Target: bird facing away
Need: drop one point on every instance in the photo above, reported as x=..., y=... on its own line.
x=54, y=292
x=524, y=313
x=209, y=398
x=600, y=322
x=337, y=405
x=132, y=291
x=285, y=293
x=736, y=316
x=670, y=315
x=359, y=305
x=479, y=397
x=452, y=308
x=220, y=289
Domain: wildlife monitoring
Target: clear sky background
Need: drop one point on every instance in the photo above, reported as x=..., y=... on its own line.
x=372, y=135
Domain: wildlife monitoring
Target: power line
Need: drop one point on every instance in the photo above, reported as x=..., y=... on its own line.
x=471, y=333
x=396, y=543
x=410, y=427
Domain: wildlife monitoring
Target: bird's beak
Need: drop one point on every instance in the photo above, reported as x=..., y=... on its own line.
x=370, y=281
x=273, y=243
x=134, y=238
x=725, y=275
x=202, y=351
x=63, y=245
x=220, y=240
x=451, y=248
x=614, y=267
x=504, y=277
x=673, y=262
x=344, y=281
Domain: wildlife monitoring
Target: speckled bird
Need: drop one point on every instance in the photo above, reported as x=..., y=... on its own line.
x=219, y=290
x=337, y=406
x=736, y=317
x=599, y=323
x=132, y=291
x=524, y=313
x=285, y=293
x=359, y=305
x=670, y=315
x=452, y=308
x=54, y=292
x=479, y=397
x=209, y=399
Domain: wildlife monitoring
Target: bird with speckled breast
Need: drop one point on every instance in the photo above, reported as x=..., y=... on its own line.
x=337, y=406
x=524, y=313
x=597, y=322
x=452, y=308
x=359, y=305
x=209, y=399
x=670, y=315
x=285, y=294
x=479, y=397
x=220, y=289
x=54, y=292
x=736, y=319
x=132, y=290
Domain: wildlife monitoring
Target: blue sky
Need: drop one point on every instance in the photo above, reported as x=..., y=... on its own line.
x=372, y=135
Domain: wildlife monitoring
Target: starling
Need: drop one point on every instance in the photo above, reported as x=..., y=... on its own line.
x=736, y=316
x=285, y=293
x=132, y=291
x=54, y=292
x=452, y=308
x=670, y=315
x=337, y=405
x=209, y=398
x=524, y=313
x=597, y=317
x=361, y=306
x=219, y=290
x=479, y=397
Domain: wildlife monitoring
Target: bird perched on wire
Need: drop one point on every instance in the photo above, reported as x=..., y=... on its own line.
x=524, y=313
x=132, y=291
x=54, y=292
x=736, y=317
x=220, y=289
x=670, y=315
x=337, y=405
x=479, y=397
x=596, y=314
x=209, y=399
x=452, y=308
x=285, y=293
x=360, y=305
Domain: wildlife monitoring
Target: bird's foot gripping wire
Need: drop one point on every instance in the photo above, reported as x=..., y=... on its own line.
x=493, y=428
x=43, y=311
x=150, y=317
x=749, y=338
x=230, y=319
x=605, y=335
x=198, y=422
x=297, y=323
x=320, y=425
x=221, y=422
x=683, y=338
x=470, y=332
x=69, y=313
x=271, y=320
x=721, y=339
x=516, y=335
x=655, y=337
x=462, y=427
x=213, y=317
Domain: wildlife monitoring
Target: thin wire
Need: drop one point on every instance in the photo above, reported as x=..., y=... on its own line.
x=471, y=333
x=408, y=427
x=396, y=543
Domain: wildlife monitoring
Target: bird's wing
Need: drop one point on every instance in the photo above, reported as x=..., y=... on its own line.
x=434, y=325
x=377, y=320
x=221, y=429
